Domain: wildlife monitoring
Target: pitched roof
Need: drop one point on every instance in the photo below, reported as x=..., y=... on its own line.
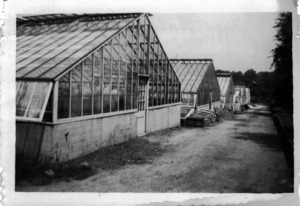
x=190, y=72
x=224, y=80
x=47, y=45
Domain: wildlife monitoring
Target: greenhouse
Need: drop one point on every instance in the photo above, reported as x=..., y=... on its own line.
x=240, y=92
x=199, y=85
x=88, y=81
x=227, y=89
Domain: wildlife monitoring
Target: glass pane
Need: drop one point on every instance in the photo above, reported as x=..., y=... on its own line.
x=146, y=42
x=150, y=91
x=158, y=76
x=38, y=99
x=151, y=69
x=128, y=91
x=115, y=75
x=141, y=47
x=163, y=79
x=135, y=88
x=192, y=99
x=98, y=81
x=17, y=86
x=154, y=95
x=185, y=98
x=63, y=96
x=23, y=97
x=129, y=59
x=87, y=89
x=122, y=76
x=135, y=50
x=135, y=71
x=174, y=85
x=170, y=85
x=176, y=92
x=76, y=91
x=107, y=78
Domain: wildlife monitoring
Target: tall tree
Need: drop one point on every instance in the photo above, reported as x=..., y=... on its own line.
x=237, y=76
x=283, y=60
x=249, y=76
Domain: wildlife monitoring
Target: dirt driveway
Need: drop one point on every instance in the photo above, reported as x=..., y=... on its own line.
x=240, y=155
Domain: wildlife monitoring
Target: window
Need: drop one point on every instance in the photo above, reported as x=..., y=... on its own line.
x=189, y=99
x=31, y=100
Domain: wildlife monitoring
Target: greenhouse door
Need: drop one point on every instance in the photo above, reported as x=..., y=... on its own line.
x=142, y=105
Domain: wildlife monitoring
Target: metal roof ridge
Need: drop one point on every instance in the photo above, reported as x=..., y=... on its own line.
x=63, y=17
x=192, y=59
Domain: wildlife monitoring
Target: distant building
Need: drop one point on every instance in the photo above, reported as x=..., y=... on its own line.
x=227, y=89
x=248, y=96
x=199, y=84
x=239, y=95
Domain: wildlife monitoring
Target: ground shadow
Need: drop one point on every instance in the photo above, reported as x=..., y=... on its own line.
x=261, y=113
x=134, y=151
x=269, y=141
x=241, y=124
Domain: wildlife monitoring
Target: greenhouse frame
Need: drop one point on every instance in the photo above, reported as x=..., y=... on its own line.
x=88, y=81
x=227, y=89
x=199, y=85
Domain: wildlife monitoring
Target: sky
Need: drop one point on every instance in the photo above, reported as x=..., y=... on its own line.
x=235, y=41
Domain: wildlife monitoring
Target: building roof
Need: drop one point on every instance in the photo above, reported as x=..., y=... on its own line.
x=48, y=45
x=190, y=72
x=224, y=82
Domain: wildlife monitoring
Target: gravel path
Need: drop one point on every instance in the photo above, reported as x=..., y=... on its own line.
x=242, y=155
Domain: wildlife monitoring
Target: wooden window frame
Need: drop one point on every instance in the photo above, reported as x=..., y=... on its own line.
x=40, y=118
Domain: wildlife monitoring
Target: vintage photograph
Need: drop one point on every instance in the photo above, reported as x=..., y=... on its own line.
x=154, y=102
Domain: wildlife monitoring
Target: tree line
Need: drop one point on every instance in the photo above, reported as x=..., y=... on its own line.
x=261, y=84
x=275, y=86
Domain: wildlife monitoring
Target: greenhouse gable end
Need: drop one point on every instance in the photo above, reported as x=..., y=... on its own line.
x=88, y=81
x=199, y=85
x=227, y=89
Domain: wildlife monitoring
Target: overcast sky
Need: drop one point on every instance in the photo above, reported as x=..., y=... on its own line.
x=235, y=41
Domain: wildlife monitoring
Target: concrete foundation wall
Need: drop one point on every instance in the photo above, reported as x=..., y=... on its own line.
x=65, y=141
x=74, y=139
x=68, y=140
x=164, y=117
x=34, y=141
